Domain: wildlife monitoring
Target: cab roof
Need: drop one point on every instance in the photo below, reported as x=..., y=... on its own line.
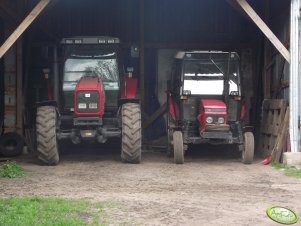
x=90, y=40
x=195, y=54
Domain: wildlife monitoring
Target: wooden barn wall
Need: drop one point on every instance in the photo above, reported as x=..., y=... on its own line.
x=280, y=24
x=168, y=22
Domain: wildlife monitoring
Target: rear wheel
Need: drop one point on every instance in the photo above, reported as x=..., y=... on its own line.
x=47, y=148
x=170, y=126
x=248, y=148
x=131, y=133
x=178, y=147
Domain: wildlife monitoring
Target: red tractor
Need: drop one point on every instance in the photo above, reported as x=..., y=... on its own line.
x=205, y=104
x=89, y=100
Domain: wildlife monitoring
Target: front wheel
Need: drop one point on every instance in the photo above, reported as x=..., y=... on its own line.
x=131, y=133
x=47, y=148
x=248, y=148
x=178, y=147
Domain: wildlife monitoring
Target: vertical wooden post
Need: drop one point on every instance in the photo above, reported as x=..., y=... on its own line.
x=266, y=71
x=142, y=50
x=19, y=87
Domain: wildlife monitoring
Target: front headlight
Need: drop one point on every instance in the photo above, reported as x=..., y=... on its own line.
x=221, y=120
x=82, y=105
x=93, y=105
x=209, y=120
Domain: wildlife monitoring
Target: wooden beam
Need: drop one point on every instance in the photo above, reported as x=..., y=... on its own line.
x=9, y=15
x=23, y=26
x=265, y=29
x=154, y=116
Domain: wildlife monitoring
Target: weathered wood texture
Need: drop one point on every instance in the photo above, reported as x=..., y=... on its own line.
x=281, y=146
x=265, y=29
x=273, y=115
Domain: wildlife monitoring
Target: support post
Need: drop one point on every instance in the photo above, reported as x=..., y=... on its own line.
x=141, y=62
x=19, y=87
x=294, y=76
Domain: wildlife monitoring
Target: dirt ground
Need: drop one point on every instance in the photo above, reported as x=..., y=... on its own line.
x=211, y=188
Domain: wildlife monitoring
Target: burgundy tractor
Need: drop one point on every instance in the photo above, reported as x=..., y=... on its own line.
x=205, y=104
x=90, y=99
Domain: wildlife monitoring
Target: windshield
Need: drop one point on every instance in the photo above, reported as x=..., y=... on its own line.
x=206, y=76
x=101, y=64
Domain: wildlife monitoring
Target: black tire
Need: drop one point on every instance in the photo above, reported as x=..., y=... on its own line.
x=47, y=147
x=11, y=144
x=169, y=128
x=131, y=140
x=178, y=147
x=247, y=154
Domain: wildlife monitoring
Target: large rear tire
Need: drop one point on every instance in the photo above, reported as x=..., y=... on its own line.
x=131, y=133
x=248, y=148
x=178, y=147
x=47, y=147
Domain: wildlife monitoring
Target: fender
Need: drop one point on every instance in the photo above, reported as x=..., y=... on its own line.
x=129, y=88
x=243, y=110
x=171, y=107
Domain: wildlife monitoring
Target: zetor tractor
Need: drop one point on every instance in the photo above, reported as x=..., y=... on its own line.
x=205, y=104
x=93, y=100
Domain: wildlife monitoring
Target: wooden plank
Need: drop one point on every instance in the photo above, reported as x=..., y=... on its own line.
x=280, y=144
x=265, y=29
x=154, y=116
x=23, y=26
x=14, y=18
x=273, y=115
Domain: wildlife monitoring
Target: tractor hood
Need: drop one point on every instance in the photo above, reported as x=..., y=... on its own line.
x=89, y=97
x=213, y=104
x=89, y=83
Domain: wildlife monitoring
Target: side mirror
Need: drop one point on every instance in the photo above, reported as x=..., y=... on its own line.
x=130, y=71
x=135, y=51
x=46, y=72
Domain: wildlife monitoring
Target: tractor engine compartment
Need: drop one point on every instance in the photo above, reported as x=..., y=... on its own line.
x=213, y=115
x=88, y=100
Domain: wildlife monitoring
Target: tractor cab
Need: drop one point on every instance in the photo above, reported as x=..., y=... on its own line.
x=205, y=100
x=91, y=57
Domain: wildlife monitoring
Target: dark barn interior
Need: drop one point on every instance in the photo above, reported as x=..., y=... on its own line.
x=157, y=29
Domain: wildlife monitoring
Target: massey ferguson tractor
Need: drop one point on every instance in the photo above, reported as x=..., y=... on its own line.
x=90, y=99
x=205, y=104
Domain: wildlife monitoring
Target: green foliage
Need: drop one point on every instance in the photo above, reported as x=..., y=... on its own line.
x=37, y=211
x=288, y=170
x=11, y=170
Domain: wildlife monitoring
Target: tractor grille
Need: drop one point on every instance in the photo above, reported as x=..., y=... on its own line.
x=87, y=101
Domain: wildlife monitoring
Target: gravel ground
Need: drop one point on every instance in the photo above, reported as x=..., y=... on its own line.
x=211, y=188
